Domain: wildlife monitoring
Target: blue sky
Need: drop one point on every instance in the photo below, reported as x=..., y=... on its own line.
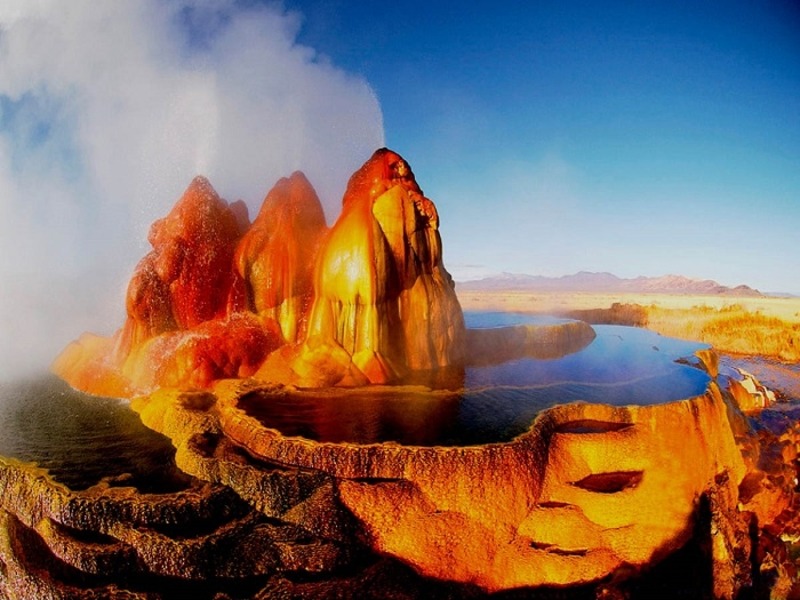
x=638, y=138
x=107, y=112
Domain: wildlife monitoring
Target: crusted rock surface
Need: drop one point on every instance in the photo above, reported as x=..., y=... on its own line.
x=592, y=500
x=691, y=497
x=285, y=299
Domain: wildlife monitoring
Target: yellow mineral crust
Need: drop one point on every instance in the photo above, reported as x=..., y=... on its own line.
x=587, y=489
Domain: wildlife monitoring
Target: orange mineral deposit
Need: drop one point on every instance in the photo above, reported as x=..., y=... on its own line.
x=285, y=299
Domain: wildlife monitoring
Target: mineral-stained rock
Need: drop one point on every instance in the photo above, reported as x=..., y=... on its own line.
x=590, y=497
x=275, y=258
x=750, y=394
x=57, y=543
x=88, y=364
x=478, y=515
x=179, y=305
x=218, y=349
x=382, y=294
x=588, y=489
x=367, y=302
x=593, y=500
x=187, y=278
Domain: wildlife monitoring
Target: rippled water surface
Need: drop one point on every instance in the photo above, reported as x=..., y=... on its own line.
x=622, y=366
x=81, y=439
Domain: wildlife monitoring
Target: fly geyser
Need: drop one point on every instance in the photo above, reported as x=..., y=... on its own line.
x=285, y=299
x=330, y=428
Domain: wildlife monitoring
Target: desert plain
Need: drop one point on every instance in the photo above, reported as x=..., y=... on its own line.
x=763, y=325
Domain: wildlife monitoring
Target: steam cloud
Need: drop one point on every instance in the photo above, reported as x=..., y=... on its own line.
x=107, y=111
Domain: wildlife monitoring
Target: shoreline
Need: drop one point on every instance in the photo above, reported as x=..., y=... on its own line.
x=752, y=326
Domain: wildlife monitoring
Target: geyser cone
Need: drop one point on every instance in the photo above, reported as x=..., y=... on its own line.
x=186, y=279
x=185, y=324
x=276, y=256
x=367, y=302
x=381, y=291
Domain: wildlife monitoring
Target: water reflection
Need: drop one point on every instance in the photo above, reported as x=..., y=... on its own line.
x=623, y=365
x=492, y=319
x=366, y=415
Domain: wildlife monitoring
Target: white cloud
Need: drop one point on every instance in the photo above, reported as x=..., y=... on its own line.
x=107, y=111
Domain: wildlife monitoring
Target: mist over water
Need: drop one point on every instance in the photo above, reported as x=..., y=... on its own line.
x=108, y=110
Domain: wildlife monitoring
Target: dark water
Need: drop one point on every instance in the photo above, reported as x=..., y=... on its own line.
x=82, y=439
x=622, y=366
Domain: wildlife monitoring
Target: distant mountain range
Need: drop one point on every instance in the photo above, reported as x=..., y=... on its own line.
x=606, y=282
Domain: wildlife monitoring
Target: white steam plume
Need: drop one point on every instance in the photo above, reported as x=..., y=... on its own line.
x=107, y=111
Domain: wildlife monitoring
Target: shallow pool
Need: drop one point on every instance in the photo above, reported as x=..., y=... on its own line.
x=622, y=366
x=82, y=439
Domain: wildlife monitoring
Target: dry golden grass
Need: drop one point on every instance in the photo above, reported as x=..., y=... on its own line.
x=760, y=326
x=731, y=329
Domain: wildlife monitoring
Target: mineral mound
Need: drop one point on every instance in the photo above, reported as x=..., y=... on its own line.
x=284, y=299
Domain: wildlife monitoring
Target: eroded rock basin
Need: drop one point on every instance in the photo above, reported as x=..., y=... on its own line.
x=548, y=490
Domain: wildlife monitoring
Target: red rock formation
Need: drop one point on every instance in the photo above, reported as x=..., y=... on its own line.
x=276, y=256
x=186, y=279
x=183, y=304
x=88, y=364
x=192, y=359
x=367, y=302
x=385, y=307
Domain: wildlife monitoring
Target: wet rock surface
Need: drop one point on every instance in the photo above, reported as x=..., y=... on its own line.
x=285, y=299
x=588, y=489
x=264, y=516
x=274, y=260
x=689, y=498
x=60, y=543
x=382, y=292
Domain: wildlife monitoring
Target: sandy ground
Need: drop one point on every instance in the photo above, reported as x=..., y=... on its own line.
x=786, y=309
